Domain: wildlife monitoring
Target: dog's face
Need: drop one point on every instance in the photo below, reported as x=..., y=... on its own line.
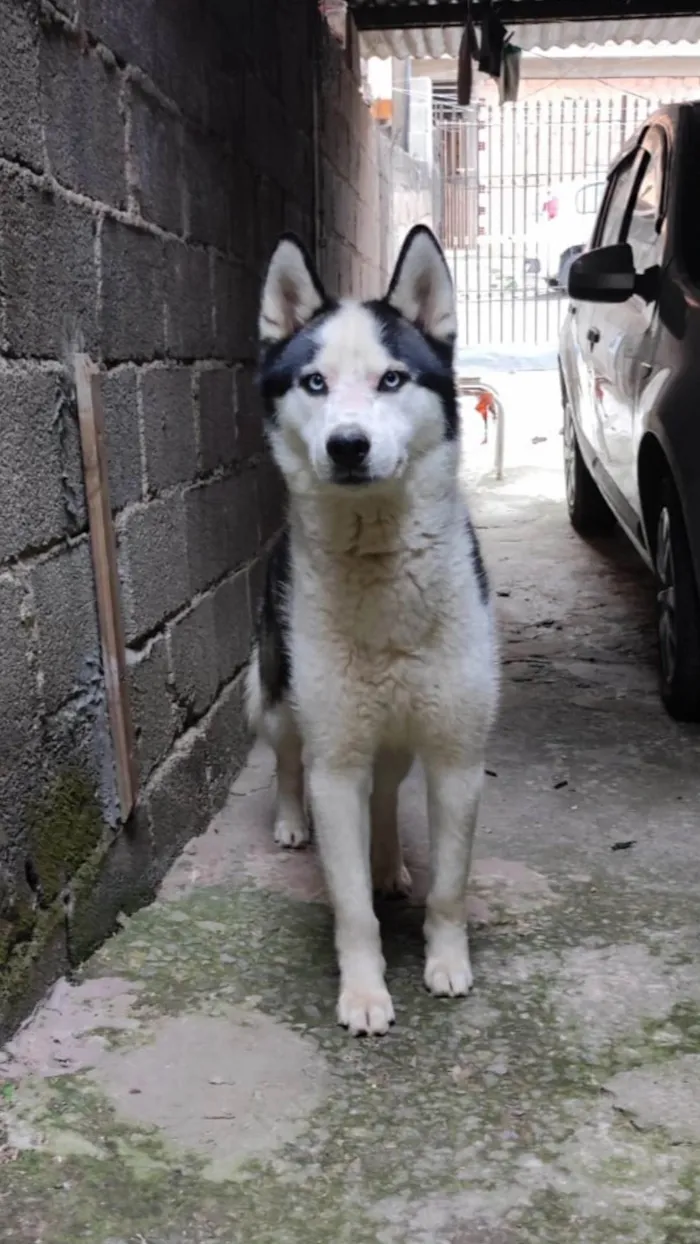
x=355, y=392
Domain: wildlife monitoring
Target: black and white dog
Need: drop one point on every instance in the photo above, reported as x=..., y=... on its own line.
x=376, y=641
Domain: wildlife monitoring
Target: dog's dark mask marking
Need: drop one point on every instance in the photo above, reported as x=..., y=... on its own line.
x=281, y=361
x=429, y=361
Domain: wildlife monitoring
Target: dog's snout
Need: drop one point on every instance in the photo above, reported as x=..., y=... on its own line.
x=348, y=448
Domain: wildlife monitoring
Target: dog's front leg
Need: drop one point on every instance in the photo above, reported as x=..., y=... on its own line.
x=340, y=807
x=453, y=801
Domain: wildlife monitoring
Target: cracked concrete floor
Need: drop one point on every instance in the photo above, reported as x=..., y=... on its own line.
x=192, y=1087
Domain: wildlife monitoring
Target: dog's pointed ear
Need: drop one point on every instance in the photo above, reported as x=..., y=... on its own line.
x=421, y=287
x=292, y=293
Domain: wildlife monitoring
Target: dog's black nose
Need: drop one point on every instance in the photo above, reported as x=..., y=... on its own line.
x=348, y=448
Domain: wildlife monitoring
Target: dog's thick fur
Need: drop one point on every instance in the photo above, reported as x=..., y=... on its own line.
x=376, y=637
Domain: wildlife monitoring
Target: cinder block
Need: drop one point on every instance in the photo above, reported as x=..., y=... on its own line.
x=269, y=216
x=37, y=455
x=21, y=773
x=133, y=319
x=250, y=424
x=168, y=416
x=151, y=705
x=48, y=273
x=232, y=625
x=242, y=210
x=222, y=527
x=184, y=53
x=208, y=187
x=122, y=436
x=19, y=702
x=226, y=96
x=20, y=111
x=270, y=491
x=178, y=799
x=298, y=217
x=262, y=44
x=81, y=116
x=77, y=740
x=168, y=42
x=235, y=309
x=217, y=418
x=293, y=37
x=227, y=741
x=66, y=620
x=189, y=299
x=156, y=160
x=16, y=917
x=303, y=179
x=255, y=133
x=209, y=643
x=127, y=880
x=256, y=573
x=194, y=658
x=128, y=29
x=153, y=561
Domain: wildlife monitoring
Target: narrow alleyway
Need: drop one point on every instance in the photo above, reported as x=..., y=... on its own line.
x=192, y=1087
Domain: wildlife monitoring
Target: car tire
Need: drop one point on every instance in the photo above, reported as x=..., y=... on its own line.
x=589, y=513
x=677, y=611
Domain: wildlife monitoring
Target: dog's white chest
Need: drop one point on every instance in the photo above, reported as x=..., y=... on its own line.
x=371, y=612
x=385, y=651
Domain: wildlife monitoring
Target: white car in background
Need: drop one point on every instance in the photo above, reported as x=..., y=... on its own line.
x=566, y=221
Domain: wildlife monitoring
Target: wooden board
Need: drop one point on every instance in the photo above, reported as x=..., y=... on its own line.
x=104, y=559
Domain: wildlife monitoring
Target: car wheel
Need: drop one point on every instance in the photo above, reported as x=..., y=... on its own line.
x=677, y=611
x=589, y=513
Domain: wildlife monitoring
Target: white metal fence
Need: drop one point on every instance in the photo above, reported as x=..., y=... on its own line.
x=518, y=186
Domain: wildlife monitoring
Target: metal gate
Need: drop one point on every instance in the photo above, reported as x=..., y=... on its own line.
x=519, y=190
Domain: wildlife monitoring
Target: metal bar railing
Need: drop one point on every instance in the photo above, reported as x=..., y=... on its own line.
x=473, y=386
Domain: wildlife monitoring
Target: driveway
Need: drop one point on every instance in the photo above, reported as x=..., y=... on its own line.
x=192, y=1087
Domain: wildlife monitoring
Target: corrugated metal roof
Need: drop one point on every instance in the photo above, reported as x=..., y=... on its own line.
x=541, y=36
x=403, y=28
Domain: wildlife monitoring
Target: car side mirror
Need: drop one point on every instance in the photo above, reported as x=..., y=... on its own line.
x=604, y=274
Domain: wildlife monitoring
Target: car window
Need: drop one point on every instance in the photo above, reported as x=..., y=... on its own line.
x=643, y=230
x=589, y=198
x=618, y=197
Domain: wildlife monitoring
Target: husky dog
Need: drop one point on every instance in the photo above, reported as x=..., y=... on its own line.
x=376, y=638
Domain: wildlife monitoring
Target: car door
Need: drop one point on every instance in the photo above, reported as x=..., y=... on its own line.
x=587, y=317
x=623, y=355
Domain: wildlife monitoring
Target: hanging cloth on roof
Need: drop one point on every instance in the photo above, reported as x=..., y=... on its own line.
x=495, y=56
x=493, y=39
x=468, y=53
x=509, y=81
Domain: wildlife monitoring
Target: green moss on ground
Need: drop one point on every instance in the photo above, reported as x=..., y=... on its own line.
x=487, y=1111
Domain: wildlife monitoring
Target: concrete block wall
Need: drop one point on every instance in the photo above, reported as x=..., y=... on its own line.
x=150, y=154
x=355, y=182
x=413, y=194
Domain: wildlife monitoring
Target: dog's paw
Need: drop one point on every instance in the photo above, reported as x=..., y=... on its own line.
x=448, y=975
x=292, y=831
x=396, y=883
x=364, y=1011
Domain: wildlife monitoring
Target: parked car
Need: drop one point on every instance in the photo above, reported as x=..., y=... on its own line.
x=566, y=222
x=629, y=359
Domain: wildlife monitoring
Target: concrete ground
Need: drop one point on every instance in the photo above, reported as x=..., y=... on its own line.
x=191, y=1086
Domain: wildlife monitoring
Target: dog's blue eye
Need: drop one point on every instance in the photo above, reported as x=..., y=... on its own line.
x=314, y=384
x=391, y=381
